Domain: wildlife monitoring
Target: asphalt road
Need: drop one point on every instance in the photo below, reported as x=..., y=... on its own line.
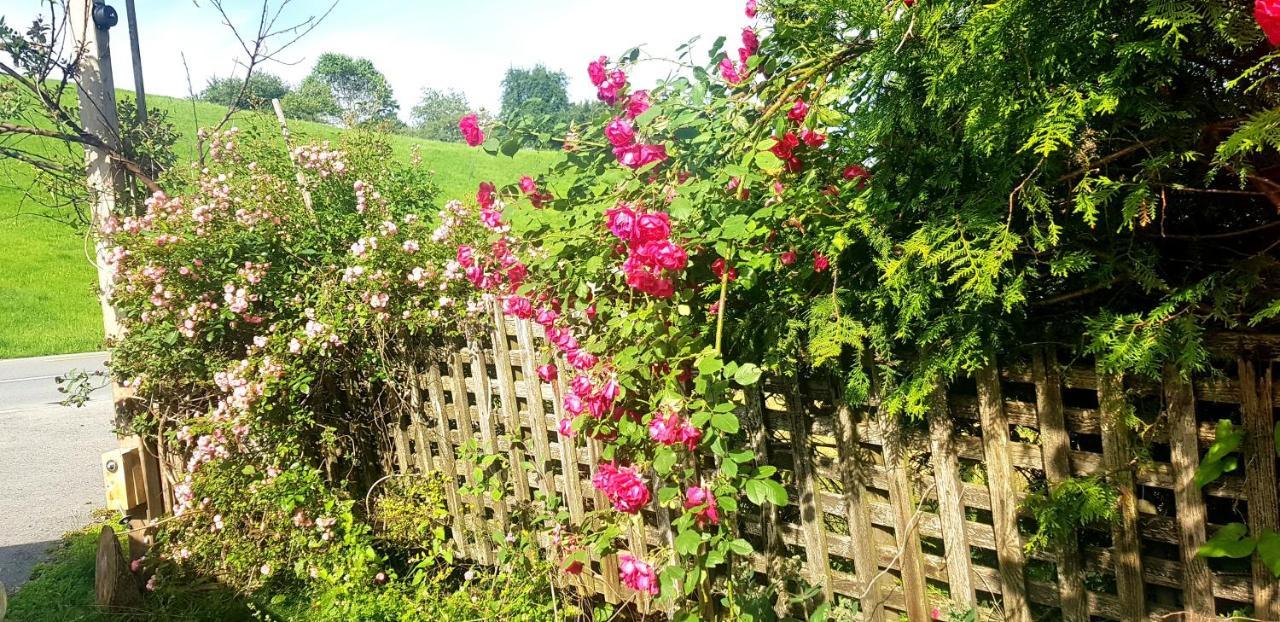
x=49, y=457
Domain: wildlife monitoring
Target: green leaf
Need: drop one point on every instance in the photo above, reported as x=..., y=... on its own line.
x=740, y=547
x=688, y=541
x=747, y=375
x=757, y=491
x=1269, y=551
x=768, y=162
x=1230, y=541
x=709, y=365
x=777, y=494
x=510, y=148
x=725, y=422
x=663, y=462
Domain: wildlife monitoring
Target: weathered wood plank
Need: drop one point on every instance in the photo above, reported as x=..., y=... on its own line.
x=1004, y=508
x=536, y=408
x=1260, y=475
x=487, y=420
x=474, y=509
x=906, y=527
x=946, y=470
x=818, y=565
x=1117, y=454
x=1055, y=446
x=418, y=426
x=448, y=461
x=507, y=403
x=856, y=512
x=757, y=435
x=1180, y=408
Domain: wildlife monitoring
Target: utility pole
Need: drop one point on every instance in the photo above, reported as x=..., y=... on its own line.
x=91, y=21
x=140, y=92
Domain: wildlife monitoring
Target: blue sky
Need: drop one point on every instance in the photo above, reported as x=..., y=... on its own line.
x=465, y=45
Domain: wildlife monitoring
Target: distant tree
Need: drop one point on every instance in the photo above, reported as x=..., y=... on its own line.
x=436, y=115
x=535, y=98
x=584, y=112
x=257, y=93
x=347, y=90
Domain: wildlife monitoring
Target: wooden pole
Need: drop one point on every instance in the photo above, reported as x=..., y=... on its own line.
x=140, y=91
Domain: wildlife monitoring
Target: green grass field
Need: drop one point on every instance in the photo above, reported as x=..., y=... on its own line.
x=47, y=283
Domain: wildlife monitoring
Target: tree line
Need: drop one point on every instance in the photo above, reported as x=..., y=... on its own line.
x=348, y=91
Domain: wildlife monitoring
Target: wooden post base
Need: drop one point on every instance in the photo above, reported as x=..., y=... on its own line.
x=115, y=585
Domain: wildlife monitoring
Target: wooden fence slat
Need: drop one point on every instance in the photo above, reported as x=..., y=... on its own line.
x=856, y=513
x=1197, y=580
x=510, y=410
x=475, y=509
x=946, y=469
x=906, y=526
x=448, y=462
x=487, y=419
x=422, y=445
x=1260, y=477
x=536, y=408
x=818, y=567
x=753, y=426
x=1055, y=446
x=1004, y=506
x=1117, y=453
x=401, y=442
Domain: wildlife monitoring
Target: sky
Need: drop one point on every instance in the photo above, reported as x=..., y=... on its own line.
x=465, y=45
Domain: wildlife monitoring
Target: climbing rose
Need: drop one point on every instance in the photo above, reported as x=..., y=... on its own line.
x=620, y=132
x=466, y=256
x=636, y=156
x=812, y=138
x=1267, y=13
x=597, y=70
x=547, y=373
x=470, y=126
x=518, y=306
x=546, y=317
x=665, y=254
x=798, y=111
x=788, y=258
x=718, y=268
x=750, y=42
x=701, y=496
x=622, y=221
x=528, y=185
x=636, y=574
x=486, y=194
x=623, y=486
x=751, y=9
x=784, y=146
x=652, y=226
x=729, y=71
x=820, y=262
x=638, y=104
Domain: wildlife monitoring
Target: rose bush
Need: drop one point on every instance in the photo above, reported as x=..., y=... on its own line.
x=960, y=180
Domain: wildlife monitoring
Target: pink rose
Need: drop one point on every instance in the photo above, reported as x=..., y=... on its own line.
x=719, y=266
x=466, y=256
x=665, y=254
x=798, y=111
x=729, y=71
x=751, y=9
x=750, y=42
x=582, y=360
x=620, y=132
x=638, y=155
x=820, y=262
x=652, y=226
x=638, y=104
x=546, y=317
x=486, y=194
x=547, y=373
x=788, y=258
x=623, y=486
x=856, y=172
x=581, y=386
x=610, y=390
x=565, y=427
x=518, y=306
x=812, y=138
x=637, y=575
x=597, y=70
x=701, y=499
x=573, y=404
x=528, y=185
x=621, y=221
x=470, y=126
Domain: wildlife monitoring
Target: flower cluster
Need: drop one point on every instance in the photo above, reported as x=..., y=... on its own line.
x=621, y=131
x=650, y=252
x=623, y=486
x=637, y=575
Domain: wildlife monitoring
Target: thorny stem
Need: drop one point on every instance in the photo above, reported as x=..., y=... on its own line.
x=724, y=290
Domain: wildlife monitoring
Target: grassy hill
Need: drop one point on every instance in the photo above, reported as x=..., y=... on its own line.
x=47, y=282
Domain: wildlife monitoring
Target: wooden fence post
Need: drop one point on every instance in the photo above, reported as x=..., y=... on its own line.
x=906, y=523
x=1004, y=505
x=1055, y=448
x=1184, y=444
x=1117, y=453
x=946, y=472
x=811, y=523
x=1260, y=476
x=866, y=564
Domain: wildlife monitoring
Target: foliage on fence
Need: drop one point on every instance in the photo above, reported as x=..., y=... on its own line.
x=885, y=194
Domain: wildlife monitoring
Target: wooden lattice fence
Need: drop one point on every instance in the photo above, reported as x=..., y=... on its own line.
x=912, y=519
